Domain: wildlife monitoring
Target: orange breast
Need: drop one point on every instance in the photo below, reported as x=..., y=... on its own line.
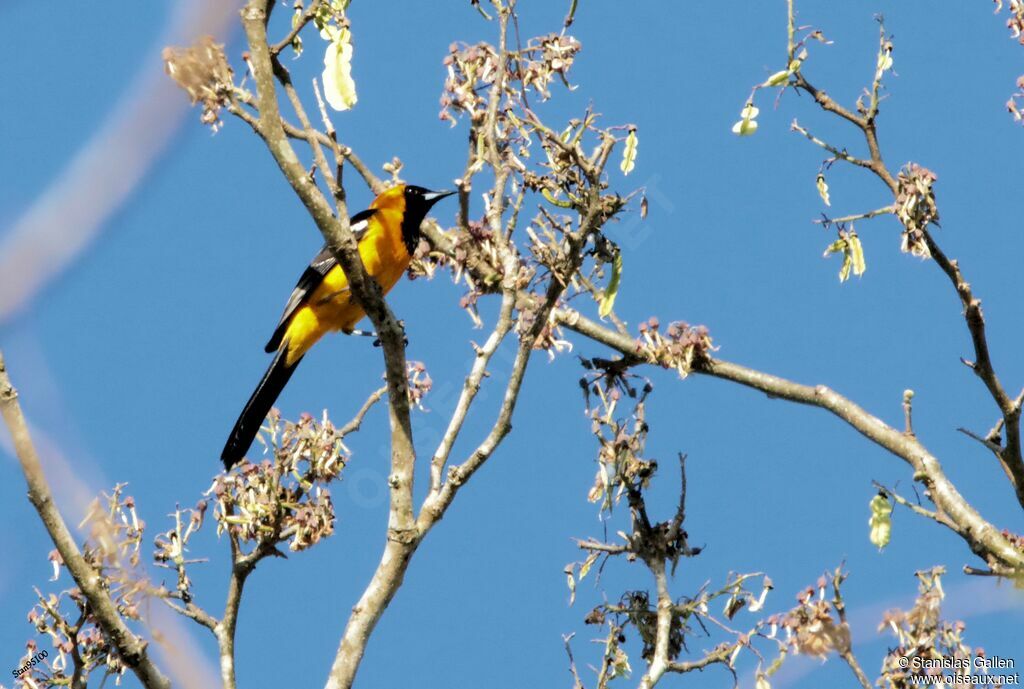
x=330, y=306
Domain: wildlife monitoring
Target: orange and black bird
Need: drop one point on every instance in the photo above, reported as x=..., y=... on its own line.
x=387, y=232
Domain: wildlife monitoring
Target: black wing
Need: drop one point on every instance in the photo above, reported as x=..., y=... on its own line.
x=311, y=278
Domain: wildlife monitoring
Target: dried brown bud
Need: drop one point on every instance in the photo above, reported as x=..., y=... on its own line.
x=203, y=71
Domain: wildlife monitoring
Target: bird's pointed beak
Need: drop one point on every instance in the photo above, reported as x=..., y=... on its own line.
x=433, y=197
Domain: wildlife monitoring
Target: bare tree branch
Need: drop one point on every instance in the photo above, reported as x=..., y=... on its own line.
x=130, y=647
x=1010, y=456
x=659, y=664
x=984, y=539
x=720, y=655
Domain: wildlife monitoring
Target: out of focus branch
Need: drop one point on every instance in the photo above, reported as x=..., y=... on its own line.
x=75, y=208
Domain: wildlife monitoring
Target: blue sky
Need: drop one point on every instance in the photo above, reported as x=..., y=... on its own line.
x=136, y=362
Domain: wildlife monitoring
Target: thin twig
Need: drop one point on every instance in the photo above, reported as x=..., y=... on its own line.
x=298, y=26
x=839, y=154
x=996, y=448
x=885, y=210
x=333, y=183
x=356, y=421
x=577, y=683
x=598, y=546
x=851, y=661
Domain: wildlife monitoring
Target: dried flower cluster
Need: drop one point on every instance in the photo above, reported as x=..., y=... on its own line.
x=285, y=499
x=420, y=383
x=203, y=72
x=620, y=461
x=172, y=545
x=491, y=86
x=115, y=530
x=915, y=207
x=1014, y=104
x=555, y=240
x=680, y=347
x=1017, y=540
x=693, y=622
x=1015, y=23
x=546, y=58
x=549, y=335
x=112, y=548
x=812, y=627
x=79, y=646
x=922, y=635
x=472, y=68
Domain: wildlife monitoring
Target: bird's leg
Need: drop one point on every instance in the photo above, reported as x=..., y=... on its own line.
x=363, y=333
x=405, y=338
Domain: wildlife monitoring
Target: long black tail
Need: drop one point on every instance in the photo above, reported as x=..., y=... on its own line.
x=257, y=407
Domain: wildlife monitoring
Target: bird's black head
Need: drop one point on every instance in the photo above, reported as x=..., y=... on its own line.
x=418, y=202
